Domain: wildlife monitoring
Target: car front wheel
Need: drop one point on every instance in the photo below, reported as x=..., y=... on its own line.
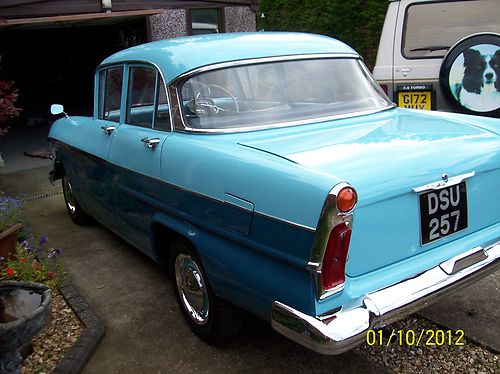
x=214, y=320
x=75, y=211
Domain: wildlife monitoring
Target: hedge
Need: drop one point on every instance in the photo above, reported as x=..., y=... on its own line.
x=356, y=22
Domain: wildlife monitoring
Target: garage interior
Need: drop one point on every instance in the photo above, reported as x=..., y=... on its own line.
x=54, y=62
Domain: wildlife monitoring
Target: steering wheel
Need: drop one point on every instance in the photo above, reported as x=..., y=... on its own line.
x=208, y=102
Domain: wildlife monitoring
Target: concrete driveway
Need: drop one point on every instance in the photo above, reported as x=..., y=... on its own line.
x=145, y=331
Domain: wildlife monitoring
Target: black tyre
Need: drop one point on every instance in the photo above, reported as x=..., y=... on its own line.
x=75, y=211
x=212, y=319
x=470, y=75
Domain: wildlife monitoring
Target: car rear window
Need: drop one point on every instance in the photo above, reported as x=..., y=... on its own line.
x=278, y=93
x=432, y=28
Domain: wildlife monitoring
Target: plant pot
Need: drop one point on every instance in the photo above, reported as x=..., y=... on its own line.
x=8, y=241
x=24, y=310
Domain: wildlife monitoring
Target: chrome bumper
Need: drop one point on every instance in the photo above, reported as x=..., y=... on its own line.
x=346, y=328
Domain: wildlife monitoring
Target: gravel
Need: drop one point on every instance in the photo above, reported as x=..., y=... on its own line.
x=50, y=345
x=53, y=341
x=446, y=358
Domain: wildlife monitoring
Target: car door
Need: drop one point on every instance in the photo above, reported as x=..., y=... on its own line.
x=89, y=176
x=135, y=153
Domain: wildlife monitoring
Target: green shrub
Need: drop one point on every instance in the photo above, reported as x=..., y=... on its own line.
x=355, y=22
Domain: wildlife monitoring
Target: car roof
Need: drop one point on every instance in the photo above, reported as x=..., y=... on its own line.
x=180, y=55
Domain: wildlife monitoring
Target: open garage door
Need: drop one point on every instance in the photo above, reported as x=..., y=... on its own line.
x=54, y=61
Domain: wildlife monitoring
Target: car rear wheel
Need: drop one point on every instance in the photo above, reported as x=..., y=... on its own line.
x=212, y=319
x=75, y=211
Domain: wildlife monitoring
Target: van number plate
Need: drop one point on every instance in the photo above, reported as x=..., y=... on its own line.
x=415, y=100
x=442, y=212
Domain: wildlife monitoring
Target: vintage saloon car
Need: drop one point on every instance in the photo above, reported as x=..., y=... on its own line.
x=269, y=172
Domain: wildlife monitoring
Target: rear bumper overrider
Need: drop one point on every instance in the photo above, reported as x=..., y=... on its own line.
x=346, y=328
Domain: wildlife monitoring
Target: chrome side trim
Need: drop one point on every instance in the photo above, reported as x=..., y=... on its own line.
x=445, y=182
x=232, y=130
x=313, y=266
x=290, y=223
x=180, y=188
x=347, y=328
x=330, y=217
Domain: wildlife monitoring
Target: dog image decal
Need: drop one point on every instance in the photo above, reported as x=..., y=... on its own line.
x=475, y=78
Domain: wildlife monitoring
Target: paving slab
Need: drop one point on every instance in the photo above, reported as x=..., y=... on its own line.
x=145, y=330
x=20, y=140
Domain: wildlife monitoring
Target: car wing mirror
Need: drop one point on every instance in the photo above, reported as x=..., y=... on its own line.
x=56, y=109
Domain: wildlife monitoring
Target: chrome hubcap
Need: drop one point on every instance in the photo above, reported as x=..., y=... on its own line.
x=192, y=288
x=70, y=198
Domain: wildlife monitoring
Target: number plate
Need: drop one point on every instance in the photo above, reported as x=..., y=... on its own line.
x=442, y=212
x=415, y=100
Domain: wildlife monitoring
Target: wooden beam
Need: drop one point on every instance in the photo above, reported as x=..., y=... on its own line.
x=78, y=17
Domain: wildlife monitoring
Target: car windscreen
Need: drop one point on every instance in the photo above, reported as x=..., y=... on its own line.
x=279, y=92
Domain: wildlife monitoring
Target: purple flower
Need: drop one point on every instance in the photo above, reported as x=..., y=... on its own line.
x=54, y=253
x=44, y=239
x=26, y=246
x=2, y=258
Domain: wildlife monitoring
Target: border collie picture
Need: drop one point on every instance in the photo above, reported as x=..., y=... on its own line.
x=479, y=87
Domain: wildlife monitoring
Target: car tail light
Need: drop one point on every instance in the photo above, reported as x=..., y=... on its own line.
x=346, y=199
x=334, y=260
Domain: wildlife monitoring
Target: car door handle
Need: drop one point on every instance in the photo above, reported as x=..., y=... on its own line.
x=150, y=142
x=108, y=129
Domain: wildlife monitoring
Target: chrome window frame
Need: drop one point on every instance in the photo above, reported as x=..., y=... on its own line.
x=180, y=122
x=99, y=97
x=128, y=98
x=126, y=65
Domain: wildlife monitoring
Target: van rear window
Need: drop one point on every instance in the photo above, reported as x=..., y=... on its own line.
x=433, y=28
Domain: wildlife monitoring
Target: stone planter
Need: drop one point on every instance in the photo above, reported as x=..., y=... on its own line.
x=24, y=310
x=8, y=241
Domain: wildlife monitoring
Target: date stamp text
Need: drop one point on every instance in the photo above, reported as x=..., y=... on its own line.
x=415, y=338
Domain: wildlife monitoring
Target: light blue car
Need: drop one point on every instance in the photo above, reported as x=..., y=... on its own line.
x=268, y=172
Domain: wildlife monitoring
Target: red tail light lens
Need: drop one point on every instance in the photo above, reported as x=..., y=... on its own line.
x=333, y=267
x=346, y=199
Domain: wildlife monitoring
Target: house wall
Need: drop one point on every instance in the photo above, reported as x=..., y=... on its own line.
x=239, y=18
x=169, y=24
x=173, y=22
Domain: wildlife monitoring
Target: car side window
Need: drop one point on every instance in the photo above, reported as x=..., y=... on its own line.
x=162, y=121
x=141, y=96
x=110, y=93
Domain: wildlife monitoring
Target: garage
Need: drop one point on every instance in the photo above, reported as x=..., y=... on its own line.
x=50, y=48
x=54, y=62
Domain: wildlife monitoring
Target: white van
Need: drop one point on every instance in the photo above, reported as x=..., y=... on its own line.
x=442, y=55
